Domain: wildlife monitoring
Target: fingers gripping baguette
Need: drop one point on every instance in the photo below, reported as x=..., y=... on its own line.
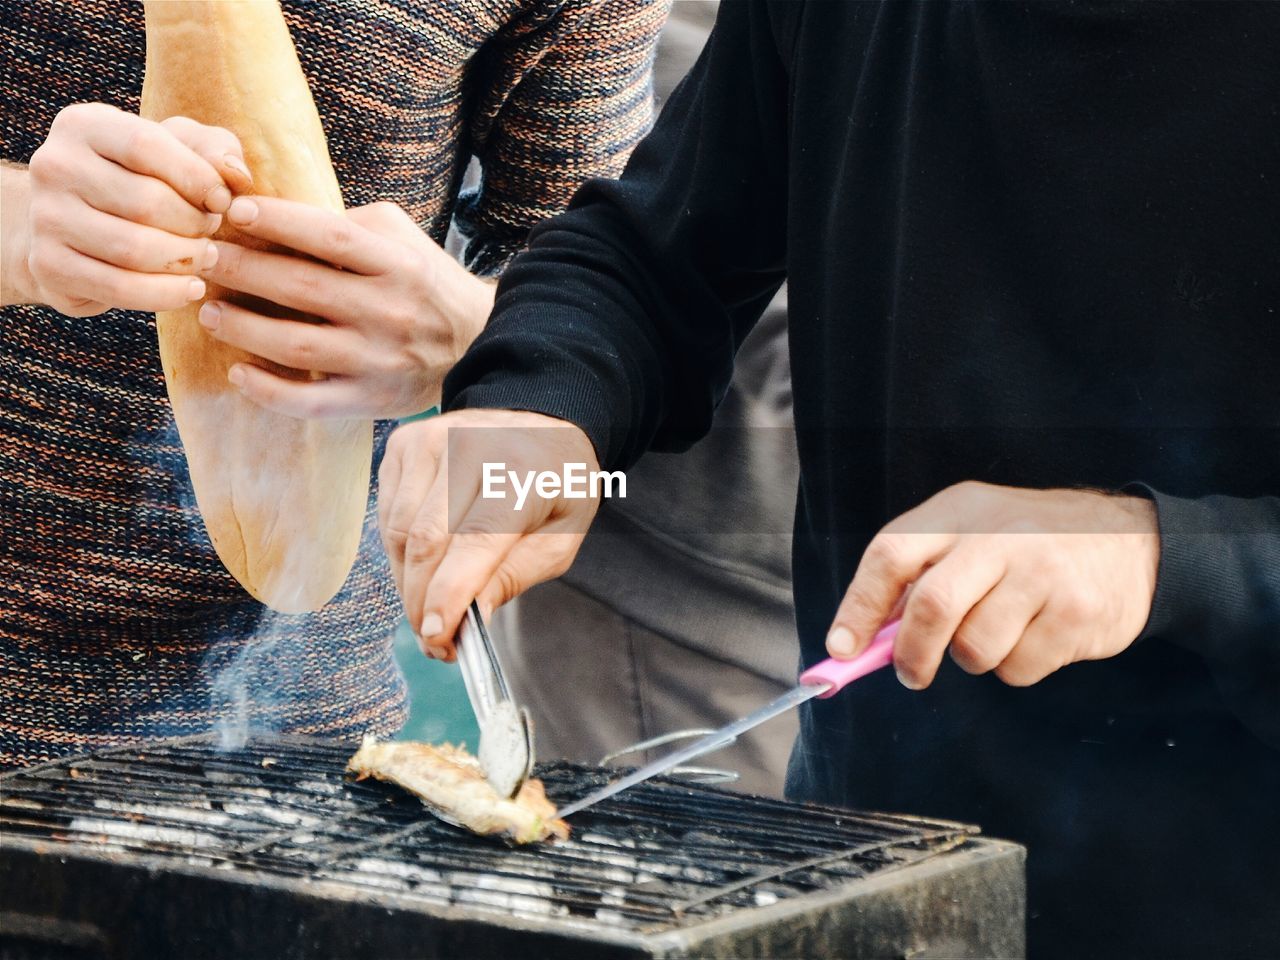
x=283, y=500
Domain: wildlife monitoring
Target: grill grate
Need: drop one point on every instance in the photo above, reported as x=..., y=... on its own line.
x=656, y=857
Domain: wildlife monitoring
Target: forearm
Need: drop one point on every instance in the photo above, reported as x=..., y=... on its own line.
x=548, y=350
x=624, y=314
x=15, y=195
x=1218, y=594
x=1219, y=573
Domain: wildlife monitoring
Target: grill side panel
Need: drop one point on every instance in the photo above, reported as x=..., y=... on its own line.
x=138, y=910
x=969, y=904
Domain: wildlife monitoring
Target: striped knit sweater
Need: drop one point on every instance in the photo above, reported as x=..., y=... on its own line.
x=117, y=622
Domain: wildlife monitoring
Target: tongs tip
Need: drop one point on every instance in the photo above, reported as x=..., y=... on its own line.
x=506, y=730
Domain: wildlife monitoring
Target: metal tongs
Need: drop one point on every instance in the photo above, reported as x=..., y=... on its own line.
x=506, y=732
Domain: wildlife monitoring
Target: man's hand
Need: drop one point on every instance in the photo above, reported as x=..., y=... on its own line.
x=116, y=211
x=447, y=543
x=1021, y=582
x=401, y=311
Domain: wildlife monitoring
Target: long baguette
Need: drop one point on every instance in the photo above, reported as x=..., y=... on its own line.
x=283, y=500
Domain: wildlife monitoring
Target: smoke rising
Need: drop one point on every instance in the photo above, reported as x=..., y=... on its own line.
x=249, y=693
x=254, y=663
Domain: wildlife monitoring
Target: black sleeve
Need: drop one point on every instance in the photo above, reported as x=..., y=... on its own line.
x=624, y=314
x=1218, y=594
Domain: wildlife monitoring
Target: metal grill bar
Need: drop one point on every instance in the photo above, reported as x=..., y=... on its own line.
x=659, y=856
x=949, y=841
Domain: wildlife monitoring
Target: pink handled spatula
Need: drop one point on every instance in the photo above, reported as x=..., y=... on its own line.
x=821, y=681
x=838, y=674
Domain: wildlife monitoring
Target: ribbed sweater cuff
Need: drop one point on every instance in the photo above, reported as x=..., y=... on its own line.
x=564, y=391
x=1185, y=583
x=1218, y=595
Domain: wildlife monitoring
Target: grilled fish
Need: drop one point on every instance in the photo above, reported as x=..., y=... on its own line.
x=449, y=781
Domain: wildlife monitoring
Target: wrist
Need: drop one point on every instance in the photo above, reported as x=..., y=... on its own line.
x=1137, y=513
x=1142, y=514
x=478, y=304
x=16, y=283
x=1178, y=580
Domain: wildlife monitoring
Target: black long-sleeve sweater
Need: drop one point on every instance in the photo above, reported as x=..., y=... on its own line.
x=1029, y=244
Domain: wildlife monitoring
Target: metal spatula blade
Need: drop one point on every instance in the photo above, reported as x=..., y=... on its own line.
x=711, y=742
x=823, y=680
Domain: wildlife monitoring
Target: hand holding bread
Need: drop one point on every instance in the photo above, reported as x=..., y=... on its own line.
x=400, y=310
x=118, y=211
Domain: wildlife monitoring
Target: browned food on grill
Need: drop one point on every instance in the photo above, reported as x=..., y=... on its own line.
x=449, y=781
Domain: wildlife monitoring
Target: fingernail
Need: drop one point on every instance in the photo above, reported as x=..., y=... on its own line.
x=438, y=653
x=840, y=642
x=218, y=199
x=242, y=211
x=905, y=680
x=210, y=258
x=195, y=290
x=232, y=162
x=212, y=221
x=236, y=376
x=209, y=316
x=431, y=625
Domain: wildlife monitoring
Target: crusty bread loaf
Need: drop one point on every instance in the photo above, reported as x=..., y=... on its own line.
x=283, y=499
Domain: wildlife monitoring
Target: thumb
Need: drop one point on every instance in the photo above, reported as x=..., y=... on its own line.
x=888, y=566
x=843, y=643
x=219, y=147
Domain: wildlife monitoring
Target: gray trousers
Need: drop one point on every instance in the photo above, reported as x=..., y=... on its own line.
x=595, y=681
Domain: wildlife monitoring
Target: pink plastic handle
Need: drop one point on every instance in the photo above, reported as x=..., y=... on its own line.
x=841, y=673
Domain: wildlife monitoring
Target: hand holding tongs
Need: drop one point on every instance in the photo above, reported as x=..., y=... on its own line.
x=821, y=680
x=506, y=732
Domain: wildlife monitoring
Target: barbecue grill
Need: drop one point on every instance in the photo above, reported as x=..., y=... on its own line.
x=178, y=849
